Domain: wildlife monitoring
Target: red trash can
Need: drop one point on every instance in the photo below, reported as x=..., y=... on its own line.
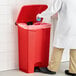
x=33, y=41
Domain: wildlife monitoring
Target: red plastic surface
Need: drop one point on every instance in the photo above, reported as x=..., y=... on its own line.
x=33, y=48
x=28, y=13
x=33, y=44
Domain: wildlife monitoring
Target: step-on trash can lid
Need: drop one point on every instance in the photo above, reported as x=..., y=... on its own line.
x=28, y=13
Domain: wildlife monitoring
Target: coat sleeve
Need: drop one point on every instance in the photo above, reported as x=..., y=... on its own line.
x=53, y=7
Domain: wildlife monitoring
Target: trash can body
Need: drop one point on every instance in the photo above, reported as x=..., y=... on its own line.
x=33, y=48
x=33, y=44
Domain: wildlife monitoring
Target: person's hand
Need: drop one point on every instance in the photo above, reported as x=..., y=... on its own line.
x=46, y=17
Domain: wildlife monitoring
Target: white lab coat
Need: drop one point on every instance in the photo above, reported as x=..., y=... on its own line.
x=65, y=32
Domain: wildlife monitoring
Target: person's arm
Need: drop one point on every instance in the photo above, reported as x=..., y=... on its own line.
x=53, y=7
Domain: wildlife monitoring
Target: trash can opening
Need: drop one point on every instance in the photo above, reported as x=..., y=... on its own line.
x=35, y=26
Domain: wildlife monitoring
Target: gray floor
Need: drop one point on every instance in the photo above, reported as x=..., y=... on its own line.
x=19, y=73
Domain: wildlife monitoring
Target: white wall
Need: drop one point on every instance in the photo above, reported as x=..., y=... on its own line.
x=8, y=37
x=8, y=31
